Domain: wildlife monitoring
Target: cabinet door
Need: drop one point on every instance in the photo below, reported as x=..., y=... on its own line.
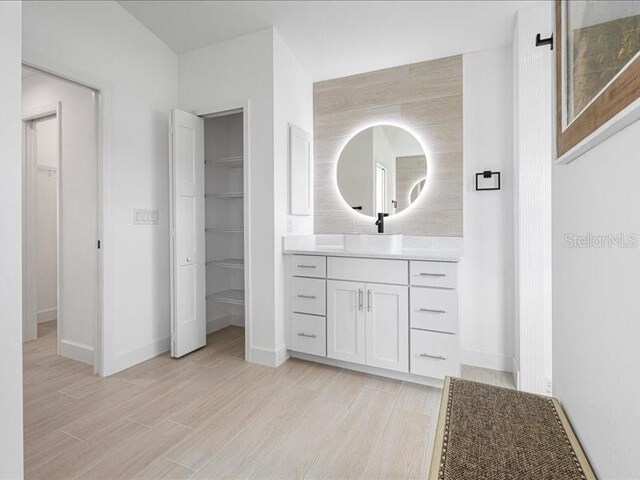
x=387, y=335
x=346, y=321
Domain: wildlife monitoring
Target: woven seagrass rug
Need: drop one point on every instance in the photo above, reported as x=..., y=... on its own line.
x=492, y=433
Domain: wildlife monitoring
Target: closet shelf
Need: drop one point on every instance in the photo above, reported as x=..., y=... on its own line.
x=235, y=161
x=236, y=263
x=213, y=230
x=225, y=195
x=234, y=297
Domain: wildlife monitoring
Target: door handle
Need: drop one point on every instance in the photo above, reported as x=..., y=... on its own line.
x=360, y=299
x=368, y=300
x=433, y=310
x=435, y=357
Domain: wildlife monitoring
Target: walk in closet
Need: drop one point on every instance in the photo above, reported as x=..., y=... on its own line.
x=224, y=220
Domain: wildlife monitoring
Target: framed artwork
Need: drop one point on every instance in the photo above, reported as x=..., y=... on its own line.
x=597, y=72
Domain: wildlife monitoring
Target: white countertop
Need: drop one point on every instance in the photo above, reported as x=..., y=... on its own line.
x=447, y=251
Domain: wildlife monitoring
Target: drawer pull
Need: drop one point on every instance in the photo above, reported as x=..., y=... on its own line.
x=306, y=266
x=435, y=357
x=424, y=274
x=307, y=335
x=432, y=310
x=313, y=297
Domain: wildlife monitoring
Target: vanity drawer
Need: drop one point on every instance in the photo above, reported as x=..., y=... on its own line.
x=309, y=266
x=368, y=270
x=434, y=274
x=309, y=295
x=434, y=354
x=434, y=309
x=308, y=334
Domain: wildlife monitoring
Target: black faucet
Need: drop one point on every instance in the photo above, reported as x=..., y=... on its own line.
x=380, y=221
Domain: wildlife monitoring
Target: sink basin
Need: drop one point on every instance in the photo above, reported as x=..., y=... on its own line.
x=373, y=243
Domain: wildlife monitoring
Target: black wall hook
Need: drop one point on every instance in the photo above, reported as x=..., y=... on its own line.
x=544, y=41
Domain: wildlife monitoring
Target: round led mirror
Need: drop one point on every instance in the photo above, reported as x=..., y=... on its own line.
x=382, y=169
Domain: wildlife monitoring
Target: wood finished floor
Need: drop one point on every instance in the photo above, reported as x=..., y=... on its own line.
x=211, y=415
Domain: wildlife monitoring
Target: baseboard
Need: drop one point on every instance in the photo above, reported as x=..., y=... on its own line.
x=76, y=351
x=215, y=324
x=139, y=355
x=515, y=370
x=405, y=377
x=236, y=320
x=271, y=357
x=47, y=315
x=492, y=361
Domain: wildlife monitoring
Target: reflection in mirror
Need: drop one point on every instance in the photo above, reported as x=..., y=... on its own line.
x=381, y=169
x=415, y=191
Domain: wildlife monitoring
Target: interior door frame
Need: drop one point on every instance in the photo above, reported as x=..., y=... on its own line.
x=29, y=223
x=245, y=106
x=103, y=343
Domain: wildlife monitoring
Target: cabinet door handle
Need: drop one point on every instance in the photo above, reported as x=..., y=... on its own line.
x=306, y=266
x=435, y=357
x=360, y=299
x=368, y=300
x=425, y=274
x=307, y=335
x=433, y=310
x=306, y=296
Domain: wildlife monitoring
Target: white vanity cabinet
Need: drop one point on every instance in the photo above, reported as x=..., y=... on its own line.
x=368, y=324
x=392, y=317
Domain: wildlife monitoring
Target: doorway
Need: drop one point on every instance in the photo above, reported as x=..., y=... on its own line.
x=210, y=268
x=60, y=213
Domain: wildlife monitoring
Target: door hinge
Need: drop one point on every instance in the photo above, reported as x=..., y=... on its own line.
x=98, y=244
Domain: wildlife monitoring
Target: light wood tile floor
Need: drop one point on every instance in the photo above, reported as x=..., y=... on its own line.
x=211, y=415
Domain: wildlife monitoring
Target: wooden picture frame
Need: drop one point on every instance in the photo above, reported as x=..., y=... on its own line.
x=615, y=106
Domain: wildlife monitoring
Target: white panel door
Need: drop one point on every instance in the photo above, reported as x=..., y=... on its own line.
x=346, y=321
x=387, y=328
x=188, y=303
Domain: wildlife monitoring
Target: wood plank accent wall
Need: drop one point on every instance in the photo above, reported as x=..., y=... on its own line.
x=426, y=98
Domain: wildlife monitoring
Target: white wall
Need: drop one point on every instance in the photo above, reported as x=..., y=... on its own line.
x=46, y=131
x=486, y=276
x=138, y=76
x=596, y=306
x=79, y=205
x=292, y=104
x=235, y=71
x=11, y=241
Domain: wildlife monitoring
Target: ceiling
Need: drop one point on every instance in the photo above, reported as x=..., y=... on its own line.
x=337, y=38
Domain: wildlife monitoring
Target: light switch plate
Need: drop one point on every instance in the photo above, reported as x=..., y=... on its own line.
x=143, y=216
